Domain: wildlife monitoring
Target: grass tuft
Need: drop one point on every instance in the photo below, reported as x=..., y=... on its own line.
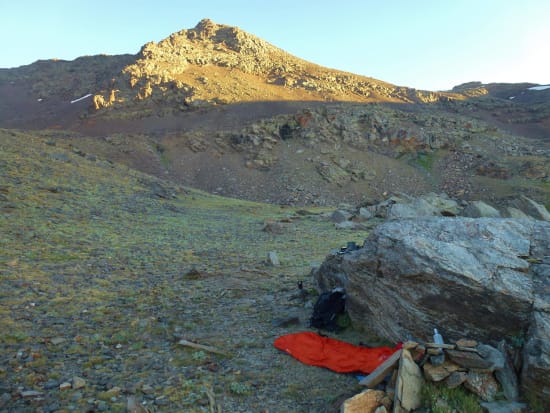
x=441, y=399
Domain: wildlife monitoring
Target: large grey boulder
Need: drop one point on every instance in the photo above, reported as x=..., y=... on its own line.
x=480, y=209
x=404, y=206
x=511, y=212
x=445, y=205
x=340, y=215
x=486, y=278
x=536, y=352
x=414, y=209
x=531, y=208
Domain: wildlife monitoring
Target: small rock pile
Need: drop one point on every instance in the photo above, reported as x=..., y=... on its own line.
x=486, y=371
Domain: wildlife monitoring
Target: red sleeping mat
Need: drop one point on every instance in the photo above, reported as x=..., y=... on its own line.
x=315, y=350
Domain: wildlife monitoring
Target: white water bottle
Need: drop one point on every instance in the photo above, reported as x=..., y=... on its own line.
x=438, y=359
x=438, y=339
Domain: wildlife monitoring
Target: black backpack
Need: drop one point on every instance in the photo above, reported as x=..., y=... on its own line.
x=327, y=308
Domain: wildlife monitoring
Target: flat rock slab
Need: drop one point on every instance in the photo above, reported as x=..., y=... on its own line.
x=409, y=384
x=439, y=373
x=365, y=402
x=468, y=359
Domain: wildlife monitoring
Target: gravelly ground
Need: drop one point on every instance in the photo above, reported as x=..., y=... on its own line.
x=103, y=269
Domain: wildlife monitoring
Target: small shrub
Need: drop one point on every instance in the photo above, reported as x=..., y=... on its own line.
x=535, y=403
x=425, y=160
x=15, y=337
x=294, y=391
x=241, y=389
x=199, y=356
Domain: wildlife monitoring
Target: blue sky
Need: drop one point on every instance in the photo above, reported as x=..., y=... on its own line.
x=425, y=44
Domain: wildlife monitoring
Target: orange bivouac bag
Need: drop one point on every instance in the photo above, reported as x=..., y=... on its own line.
x=315, y=350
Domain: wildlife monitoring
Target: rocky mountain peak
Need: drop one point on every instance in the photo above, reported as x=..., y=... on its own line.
x=205, y=27
x=219, y=63
x=209, y=43
x=229, y=37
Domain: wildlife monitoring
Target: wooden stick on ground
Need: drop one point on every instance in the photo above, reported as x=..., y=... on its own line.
x=381, y=371
x=210, y=349
x=214, y=407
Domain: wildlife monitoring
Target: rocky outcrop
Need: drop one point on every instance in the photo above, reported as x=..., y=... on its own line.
x=100, y=102
x=403, y=206
x=484, y=278
x=479, y=209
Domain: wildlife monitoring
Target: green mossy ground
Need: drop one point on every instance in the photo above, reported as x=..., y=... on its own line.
x=115, y=264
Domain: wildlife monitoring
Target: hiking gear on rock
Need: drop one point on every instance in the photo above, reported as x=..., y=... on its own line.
x=328, y=306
